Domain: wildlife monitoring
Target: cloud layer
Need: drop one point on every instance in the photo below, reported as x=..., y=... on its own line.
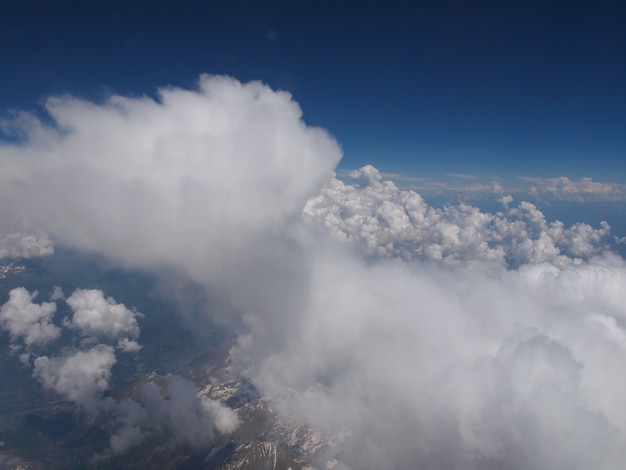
x=475, y=187
x=583, y=190
x=28, y=321
x=423, y=337
x=428, y=367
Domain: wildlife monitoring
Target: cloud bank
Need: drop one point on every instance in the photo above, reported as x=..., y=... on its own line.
x=386, y=221
x=473, y=187
x=583, y=190
x=424, y=337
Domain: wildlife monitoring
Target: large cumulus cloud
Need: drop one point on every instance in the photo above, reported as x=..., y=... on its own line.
x=194, y=179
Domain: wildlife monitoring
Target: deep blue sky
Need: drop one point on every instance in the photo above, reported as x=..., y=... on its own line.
x=503, y=88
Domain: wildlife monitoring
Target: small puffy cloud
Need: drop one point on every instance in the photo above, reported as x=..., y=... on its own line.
x=19, y=245
x=100, y=317
x=80, y=376
x=128, y=345
x=420, y=365
x=28, y=321
x=174, y=409
x=506, y=200
x=57, y=294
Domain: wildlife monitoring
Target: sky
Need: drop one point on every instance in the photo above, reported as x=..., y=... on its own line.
x=407, y=333
x=421, y=89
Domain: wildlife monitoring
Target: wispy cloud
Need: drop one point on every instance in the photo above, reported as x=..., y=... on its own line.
x=560, y=188
x=462, y=176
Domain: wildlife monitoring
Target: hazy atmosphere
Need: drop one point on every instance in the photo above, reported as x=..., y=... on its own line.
x=343, y=236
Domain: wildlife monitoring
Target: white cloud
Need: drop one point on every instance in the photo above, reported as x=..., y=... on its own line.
x=132, y=421
x=100, y=317
x=192, y=419
x=128, y=345
x=462, y=176
x=173, y=408
x=583, y=190
x=428, y=337
x=506, y=200
x=28, y=321
x=474, y=187
x=19, y=245
x=196, y=180
x=57, y=294
x=80, y=376
x=386, y=221
x=466, y=368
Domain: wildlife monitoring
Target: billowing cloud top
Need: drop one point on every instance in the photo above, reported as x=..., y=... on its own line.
x=384, y=220
x=190, y=180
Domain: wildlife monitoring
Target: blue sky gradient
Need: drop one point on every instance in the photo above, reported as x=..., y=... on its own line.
x=495, y=89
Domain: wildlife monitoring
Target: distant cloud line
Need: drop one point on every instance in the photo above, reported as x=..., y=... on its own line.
x=560, y=188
